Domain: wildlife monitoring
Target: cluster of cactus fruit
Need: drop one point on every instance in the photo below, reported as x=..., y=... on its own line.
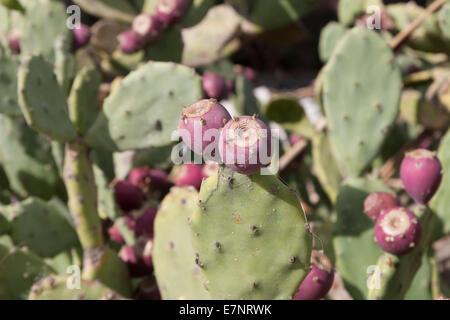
x=94, y=117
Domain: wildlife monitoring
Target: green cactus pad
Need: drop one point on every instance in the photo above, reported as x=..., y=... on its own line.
x=19, y=269
x=325, y=167
x=8, y=85
x=149, y=100
x=83, y=99
x=444, y=20
x=329, y=38
x=173, y=249
x=55, y=287
x=440, y=201
x=354, y=243
x=362, y=87
x=27, y=160
x=43, y=101
x=250, y=237
x=40, y=227
x=4, y=225
x=44, y=21
x=109, y=9
x=65, y=63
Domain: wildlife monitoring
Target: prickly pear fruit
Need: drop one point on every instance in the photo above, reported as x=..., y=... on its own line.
x=81, y=36
x=148, y=26
x=200, y=123
x=248, y=73
x=214, y=85
x=245, y=145
x=421, y=174
x=210, y=168
x=319, y=280
x=187, y=174
x=140, y=177
x=114, y=233
x=171, y=11
x=294, y=138
x=397, y=230
x=14, y=41
x=377, y=202
x=145, y=222
x=130, y=42
x=138, y=257
x=159, y=180
x=128, y=196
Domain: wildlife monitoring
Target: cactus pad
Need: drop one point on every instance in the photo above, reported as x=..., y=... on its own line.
x=329, y=38
x=173, y=249
x=362, y=87
x=55, y=287
x=40, y=227
x=8, y=85
x=444, y=20
x=250, y=228
x=43, y=101
x=149, y=100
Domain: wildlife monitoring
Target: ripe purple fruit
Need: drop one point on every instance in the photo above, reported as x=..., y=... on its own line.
x=148, y=26
x=200, y=123
x=145, y=222
x=138, y=257
x=319, y=280
x=377, y=202
x=130, y=42
x=421, y=174
x=14, y=41
x=245, y=145
x=128, y=196
x=140, y=177
x=187, y=175
x=81, y=36
x=397, y=230
x=214, y=85
x=172, y=11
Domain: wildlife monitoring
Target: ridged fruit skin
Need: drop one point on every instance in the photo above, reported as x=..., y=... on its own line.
x=197, y=119
x=128, y=196
x=145, y=222
x=421, y=174
x=14, y=41
x=172, y=11
x=397, y=231
x=319, y=280
x=81, y=36
x=187, y=174
x=377, y=202
x=114, y=233
x=241, y=155
x=130, y=42
x=215, y=86
x=148, y=26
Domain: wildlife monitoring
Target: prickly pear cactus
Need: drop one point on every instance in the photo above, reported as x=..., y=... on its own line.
x=329, y=38
x=109, y=9
x=361, y=93
x=439, y=203
x=264, y=241
x=444, y=20
x=353, y=237
x=8, y=85
x=55, y=287
x=173, y=248
x=43, y=101
x=149, y=100
x=31, y=223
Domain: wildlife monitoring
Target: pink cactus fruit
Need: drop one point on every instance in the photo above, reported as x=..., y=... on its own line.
x=377, y=202
x=319, y=280
x=81, y=36
x=172, y=11
x=187, y=175
x=114, y=233
x=130, y=42
x=14, y=41
x=148, y=26
x=200, y=123
x=421, y=174
x=128, y=197
x=215, y=86
x=245, y=145
x=138, y=257
x=145, y=222
x=397, y=230
x=210, y=168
